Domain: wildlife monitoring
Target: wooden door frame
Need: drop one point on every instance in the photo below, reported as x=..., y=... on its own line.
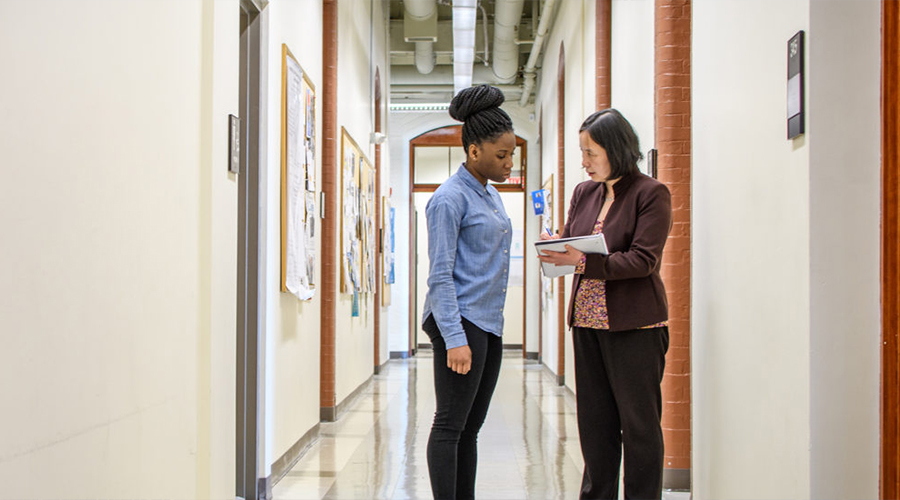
x=561, y=212
x=451, y=136
x=890, y=252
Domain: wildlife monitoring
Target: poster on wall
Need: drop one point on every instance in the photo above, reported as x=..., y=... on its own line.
x=547, y=225
x=387, y=214
x=298, y=167
x=358, y=240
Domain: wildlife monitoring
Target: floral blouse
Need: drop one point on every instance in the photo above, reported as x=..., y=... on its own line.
x=590, y=299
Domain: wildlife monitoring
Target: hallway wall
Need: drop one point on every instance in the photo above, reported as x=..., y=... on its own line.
x=785, y=364
x=362, y=45
x=293, y=326
x=117, y=303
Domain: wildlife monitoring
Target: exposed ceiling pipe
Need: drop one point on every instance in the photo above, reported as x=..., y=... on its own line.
x=421, y=11
x=507, y=15
x=529, y=71
x=404, y=75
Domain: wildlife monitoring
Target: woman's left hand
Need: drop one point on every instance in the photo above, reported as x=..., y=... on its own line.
x=571, y=257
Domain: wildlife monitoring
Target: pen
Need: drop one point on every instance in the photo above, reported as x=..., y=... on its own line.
x=548, y=231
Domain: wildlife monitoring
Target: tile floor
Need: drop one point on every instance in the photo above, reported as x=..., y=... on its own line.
x=528, y=447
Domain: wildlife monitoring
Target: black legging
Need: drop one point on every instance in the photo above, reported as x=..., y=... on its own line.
x=462, y=404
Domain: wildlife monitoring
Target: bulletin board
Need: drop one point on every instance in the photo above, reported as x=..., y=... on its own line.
x=358, y=235
x=298, y=179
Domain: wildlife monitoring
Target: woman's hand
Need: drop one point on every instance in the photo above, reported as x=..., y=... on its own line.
x=571, y=257
x=459, y=359
x=547, y=236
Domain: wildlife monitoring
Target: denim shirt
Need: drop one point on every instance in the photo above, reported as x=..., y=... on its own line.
x=469, y=236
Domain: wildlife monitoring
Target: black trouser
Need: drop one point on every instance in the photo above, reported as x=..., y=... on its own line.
x=617, y=382
x=462, y=404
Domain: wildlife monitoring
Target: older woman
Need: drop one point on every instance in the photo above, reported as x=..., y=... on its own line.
x=618, y=312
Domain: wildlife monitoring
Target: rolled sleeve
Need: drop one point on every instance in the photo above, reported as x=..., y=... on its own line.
x=443, y=220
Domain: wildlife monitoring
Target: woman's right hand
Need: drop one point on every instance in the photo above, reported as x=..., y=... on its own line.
x=459, y=359
x=545, y=236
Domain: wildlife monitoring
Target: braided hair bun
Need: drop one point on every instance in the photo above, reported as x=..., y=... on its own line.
x=479, y=109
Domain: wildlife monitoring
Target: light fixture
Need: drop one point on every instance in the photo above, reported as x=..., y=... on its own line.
x=464, y=15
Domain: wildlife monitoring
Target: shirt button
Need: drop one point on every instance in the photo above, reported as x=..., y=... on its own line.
x=505, y=251
x=495, y=211
x=505, y=231
x=504, y=290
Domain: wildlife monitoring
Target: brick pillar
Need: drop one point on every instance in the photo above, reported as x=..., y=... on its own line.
x=329, y=224
x=673, y=141
x=603, y=44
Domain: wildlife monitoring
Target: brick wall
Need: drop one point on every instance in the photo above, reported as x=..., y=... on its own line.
x=673, y=140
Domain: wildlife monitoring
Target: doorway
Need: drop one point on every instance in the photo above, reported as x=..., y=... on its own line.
x=434, y=157
x=247, y=403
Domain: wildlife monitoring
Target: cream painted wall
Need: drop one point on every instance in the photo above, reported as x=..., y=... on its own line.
x=117, y=305
x=844, y=256
x=633, y=67
x=576, y=34
x=292, y=326
x=751, y=256
x=362, y=45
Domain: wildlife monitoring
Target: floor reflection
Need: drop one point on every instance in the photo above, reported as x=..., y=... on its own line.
x=528, y=447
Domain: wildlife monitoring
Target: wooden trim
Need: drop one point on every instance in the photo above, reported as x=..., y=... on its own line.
x=890, y=252
x=379, y=228
x=330, y=170
x=558, y=198
x=413, y=236
x=603, y=41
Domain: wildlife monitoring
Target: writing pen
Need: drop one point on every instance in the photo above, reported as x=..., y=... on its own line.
x=548, y=231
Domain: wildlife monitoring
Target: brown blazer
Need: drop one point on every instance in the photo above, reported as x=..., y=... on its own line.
x=636, y=229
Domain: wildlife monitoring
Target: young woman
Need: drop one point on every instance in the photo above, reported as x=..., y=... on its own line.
x=469, y=236
x=618, y=312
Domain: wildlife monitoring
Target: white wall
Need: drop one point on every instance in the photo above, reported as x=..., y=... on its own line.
x=362, y=45
x=117, y=304
x=844, y=178
x=785, y=382
x=574, y=28
x=292, y=326
x=633, y=67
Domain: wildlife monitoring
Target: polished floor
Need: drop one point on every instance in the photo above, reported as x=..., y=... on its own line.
x=528, y=447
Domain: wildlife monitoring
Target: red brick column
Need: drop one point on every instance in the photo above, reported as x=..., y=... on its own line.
x=673, y=140
x=603, y=41
x=329, y=224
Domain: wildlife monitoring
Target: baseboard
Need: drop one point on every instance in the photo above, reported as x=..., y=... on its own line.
x=513, y=347
x=380, y=368
x=399, y=355
x=426, y=347
x=332, y=413
x=286, y=462
x=531, y=355
x=677, y=479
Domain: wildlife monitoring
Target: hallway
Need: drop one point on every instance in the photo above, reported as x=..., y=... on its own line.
x=528, y=447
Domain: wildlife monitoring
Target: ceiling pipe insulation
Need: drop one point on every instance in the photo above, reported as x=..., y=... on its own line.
x=507, y=16
x=418, y=17
x=529, y=72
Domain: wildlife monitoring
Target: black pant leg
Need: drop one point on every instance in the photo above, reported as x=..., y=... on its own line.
x=599, y=427
x=467, y=452
x=635, y=361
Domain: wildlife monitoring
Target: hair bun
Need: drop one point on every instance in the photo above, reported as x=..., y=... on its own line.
x=475, y=100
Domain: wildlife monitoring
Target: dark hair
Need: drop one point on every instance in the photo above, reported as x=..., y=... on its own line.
x=612, y=132
x=479, y=109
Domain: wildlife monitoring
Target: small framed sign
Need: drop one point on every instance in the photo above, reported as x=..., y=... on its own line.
x=795, y=114
x=234, y=144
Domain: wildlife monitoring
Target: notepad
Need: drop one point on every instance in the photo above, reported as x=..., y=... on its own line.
x=594, y=243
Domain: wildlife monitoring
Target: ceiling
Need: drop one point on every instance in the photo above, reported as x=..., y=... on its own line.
x=428, y=78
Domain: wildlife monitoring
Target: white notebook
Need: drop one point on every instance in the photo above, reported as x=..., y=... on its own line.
x=594, y=243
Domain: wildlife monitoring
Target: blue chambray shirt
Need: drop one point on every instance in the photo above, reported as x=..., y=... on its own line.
x=469, y=236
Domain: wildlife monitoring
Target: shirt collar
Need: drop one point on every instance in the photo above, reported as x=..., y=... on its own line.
x=471, y=181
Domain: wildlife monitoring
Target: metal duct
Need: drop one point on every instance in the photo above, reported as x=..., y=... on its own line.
x=507, y=15
x=529, y=71
x=420, y=27
x=464, y=16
